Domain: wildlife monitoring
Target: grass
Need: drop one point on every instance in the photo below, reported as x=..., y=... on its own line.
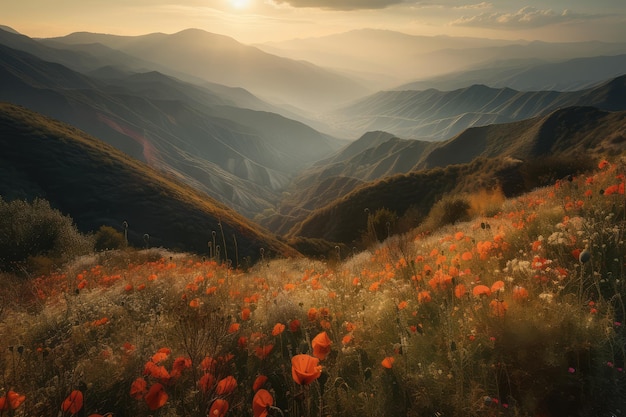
x=497, y=316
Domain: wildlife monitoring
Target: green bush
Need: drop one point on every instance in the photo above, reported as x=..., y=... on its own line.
x=107, y=238
x=448, y=210
x=30, y=232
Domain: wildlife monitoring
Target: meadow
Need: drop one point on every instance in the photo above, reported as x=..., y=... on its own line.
x=517, y=312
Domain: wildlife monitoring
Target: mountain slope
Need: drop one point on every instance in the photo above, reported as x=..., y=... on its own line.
x=531, y=75
x=220, y=59
x=96, y=184
x=437, y=115
x=508, y=156
x=242, y=157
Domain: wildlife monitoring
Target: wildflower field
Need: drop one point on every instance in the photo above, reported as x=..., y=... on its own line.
x=519, y=312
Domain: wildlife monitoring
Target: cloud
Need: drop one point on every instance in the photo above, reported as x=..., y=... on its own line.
x=340, y=4
x=527, y=17
x=482, y=5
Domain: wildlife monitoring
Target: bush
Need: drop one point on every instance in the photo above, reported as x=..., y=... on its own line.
x=448, y=210
x=34, y=235
x=107, y=238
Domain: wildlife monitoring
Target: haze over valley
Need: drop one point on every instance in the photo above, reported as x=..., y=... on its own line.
x=278, y=127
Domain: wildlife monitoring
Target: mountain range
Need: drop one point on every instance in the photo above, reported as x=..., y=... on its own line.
x=99, y=184
x=243, y=129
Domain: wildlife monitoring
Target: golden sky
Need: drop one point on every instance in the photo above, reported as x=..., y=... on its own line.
x=254, y=21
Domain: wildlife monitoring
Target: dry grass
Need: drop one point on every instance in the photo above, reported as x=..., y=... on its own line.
x=411, y=332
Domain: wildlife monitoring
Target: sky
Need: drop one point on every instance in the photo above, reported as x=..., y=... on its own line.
x=256, y=21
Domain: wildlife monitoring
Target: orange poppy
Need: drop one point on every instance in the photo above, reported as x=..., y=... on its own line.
x=233, y=328
x=321, y=345
x=259, y=382
x=498, y=308
x=263, y=352
x=497, y=286
x=156, y=397
x=520, y=293
x=155, y=371
x=312, y=314
x=388, y=362
x=261, y=403
x=347, y=339
x=481, y=290
x=424, y=297
x=245, y=314
x=305, y=369
x=278, y=329
x=138, y=388
x=226, y=385
x=402, y=305
x=208, y=364
x=460, y=290
x=219, y=408
x=206, y=382
x=73, y=403
x=11, y=400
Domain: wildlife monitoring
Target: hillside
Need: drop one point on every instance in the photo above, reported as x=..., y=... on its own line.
x=241, y=157
x=438, y=115
x=97, y=184
x=518, y=312
x=514, y=157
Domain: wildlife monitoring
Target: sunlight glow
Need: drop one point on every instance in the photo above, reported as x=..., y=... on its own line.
x=240, y=4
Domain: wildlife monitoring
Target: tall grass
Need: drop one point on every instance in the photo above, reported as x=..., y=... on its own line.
x=518, y=311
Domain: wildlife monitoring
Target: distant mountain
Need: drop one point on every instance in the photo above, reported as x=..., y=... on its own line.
x=386, y=58
x=435, y=115
x=220, y=59
x=97, y=184
x=241, y=157
x=531, y=75
x=514, y=156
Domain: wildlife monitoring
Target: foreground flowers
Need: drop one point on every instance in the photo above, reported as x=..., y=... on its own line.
x=305, y=369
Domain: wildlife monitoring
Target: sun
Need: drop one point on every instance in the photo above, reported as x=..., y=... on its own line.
x=240, y=4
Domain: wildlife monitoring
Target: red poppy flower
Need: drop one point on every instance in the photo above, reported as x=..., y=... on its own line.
x=138, y=388
x=226, y=386
x=294, y=325
x=261, y=403
x=262, y=352
x=156, y=397
x=278, y=329
x=155, y=371
x=481, y=290
x=208, y=364
x=73, y=403
x=206, y=382
x=321, y=345
x=388, y=362
x=11, y=401
x=219, y=408
x=259, y=382
x=305, y=369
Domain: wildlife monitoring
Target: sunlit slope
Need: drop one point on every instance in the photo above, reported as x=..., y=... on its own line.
x=506, y=156
x=97, y=184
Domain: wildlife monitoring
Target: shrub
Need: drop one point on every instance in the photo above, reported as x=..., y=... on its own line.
x=107, y=238
x=33, y=231
x=448, y=210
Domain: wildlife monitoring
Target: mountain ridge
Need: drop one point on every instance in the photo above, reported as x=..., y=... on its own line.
x=97, y=184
